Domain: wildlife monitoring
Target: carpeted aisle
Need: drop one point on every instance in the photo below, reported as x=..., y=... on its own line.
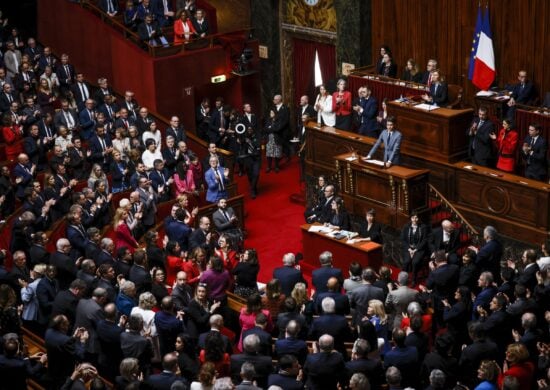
x=272, y=221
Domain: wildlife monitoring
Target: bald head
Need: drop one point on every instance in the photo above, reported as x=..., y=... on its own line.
x=326, y=343
x=333, y=284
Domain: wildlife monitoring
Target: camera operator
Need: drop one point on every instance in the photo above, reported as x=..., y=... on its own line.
x=250, y=157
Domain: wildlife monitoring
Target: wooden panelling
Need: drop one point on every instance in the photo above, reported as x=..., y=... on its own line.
x=443, y=30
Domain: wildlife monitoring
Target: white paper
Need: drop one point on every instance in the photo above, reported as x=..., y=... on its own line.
x=486, y=93
x=375, y=162
x=426, y=107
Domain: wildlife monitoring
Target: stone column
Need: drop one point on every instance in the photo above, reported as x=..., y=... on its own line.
x=354, y=32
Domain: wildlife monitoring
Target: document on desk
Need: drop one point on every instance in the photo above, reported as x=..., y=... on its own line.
x=374, y=162
x=319, y=229
x=486, y=93
x=426, y=107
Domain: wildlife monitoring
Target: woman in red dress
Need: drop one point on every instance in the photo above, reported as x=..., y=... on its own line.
x=194, y=265
x=341, y=106
x=12, y=134
x=123, y=235
x=183, y=27
x=506, y=142
x=174, y=261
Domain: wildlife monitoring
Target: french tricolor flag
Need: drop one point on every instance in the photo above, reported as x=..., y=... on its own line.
x=483, y=62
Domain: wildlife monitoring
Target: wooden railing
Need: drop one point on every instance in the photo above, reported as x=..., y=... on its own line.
x=453, y=214
x=161, y=51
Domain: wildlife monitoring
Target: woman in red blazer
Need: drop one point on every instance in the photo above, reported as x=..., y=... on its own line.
x=123, y=235
x=341, y=106
x=12, y=134
x=517, y=364
x=506, y=142
x=183, y=27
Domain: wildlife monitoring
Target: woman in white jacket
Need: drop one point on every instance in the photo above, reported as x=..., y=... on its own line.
x=323, y=106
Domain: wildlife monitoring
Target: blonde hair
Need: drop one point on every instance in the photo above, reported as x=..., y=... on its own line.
x=117, y=218
x=378, y=308
x=299, y=293
x=516, y=353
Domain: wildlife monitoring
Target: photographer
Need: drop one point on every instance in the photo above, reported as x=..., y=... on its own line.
x=250, y=158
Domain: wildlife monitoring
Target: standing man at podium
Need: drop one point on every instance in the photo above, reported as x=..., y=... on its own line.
x=392, y=144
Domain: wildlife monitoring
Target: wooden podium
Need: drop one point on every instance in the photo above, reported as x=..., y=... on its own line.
x=393, y=192
x=436, y=135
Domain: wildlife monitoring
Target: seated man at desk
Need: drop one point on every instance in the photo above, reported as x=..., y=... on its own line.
x=438, y=91
x=392, y=144
x=521, y=93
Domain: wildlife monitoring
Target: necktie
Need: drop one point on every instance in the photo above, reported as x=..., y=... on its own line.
x=109, y=7
x=435, y=89
x=69, y=118
x=125, y=123
x=222, y=119
x=10, y=98
x=81, y=86
x=25, y=76
x=533, y=140
x=110, y=111
x=102, y=142
x=68, y=72
x=149, y=30
x=389, y=137
x=220, y=182
x=225, y=215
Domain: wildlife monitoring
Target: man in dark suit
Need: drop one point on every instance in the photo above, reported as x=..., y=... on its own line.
x=442, y=281
x=291, y=344
x=66, y=117
x=176, y=130
x=360, y=296
x=8, y=96
x=219, y=123
x=288, y=275
x=471, y=356
x=201, y=237
x=15, y=369
x=488, y=291
x=139, y=274
x=178, y=230
x=481, y=145
x=67, y=300
x=168, y=376
x=331, y=323
x=287, y=377
x=81, y=90
x=109, y=108
x=134, y=345
x=262, y=364
x=496, y=322
x=403, y=357
x=87, y=119
x=23, y=171
x=149, y=31
x=534, y=151
x=65, y=73
x=102, y=148
x=289, y=313
x=489, y=255
x=63, y=351
x=266, y=342
x=76, y=234
x=283, y=117
x=320, y=276
x=200, y=23
x=523, y=92
x=438, y=91
x=108, y=335
x=46, y=291
x=527, y=277
x=161, y=180
x=366, y=108
x=391, y=138
x=212, y=152
x=66, y=267
x=169, y=324
x=249, y=119
x=427, y=75
x=360, y=362
x=124, y=119
x=216, y=325
x=304, y=108
x=325, y=368
x=104, y=89
x=334, y=291
x=445, y=238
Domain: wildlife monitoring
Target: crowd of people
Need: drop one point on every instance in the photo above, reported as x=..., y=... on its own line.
x=157, y=315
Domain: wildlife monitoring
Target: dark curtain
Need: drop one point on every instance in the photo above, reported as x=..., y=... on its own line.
x=304, y=67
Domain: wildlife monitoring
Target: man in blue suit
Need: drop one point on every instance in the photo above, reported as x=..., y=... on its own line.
x=367, y=109
x=488, y=291
x=392, y=144
x=489, y=255
x=23, y=172
x=291, y=344
x=403, y=357
x=331, y=323
x=167, y=377
x=217, y=179
x=288, y=275
x=87, y=119
x=325, y=368
x=287, y=376
x=320, y=276
x=178, y=231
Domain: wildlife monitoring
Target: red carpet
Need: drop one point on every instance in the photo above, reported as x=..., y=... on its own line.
x=273, y=222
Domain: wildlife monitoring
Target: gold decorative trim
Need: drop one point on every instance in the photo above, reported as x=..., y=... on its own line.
x=393, y=193
x=350, y=178
x=406, y=195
